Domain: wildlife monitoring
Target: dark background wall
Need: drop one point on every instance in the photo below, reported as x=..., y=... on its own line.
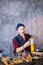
x=28, y=12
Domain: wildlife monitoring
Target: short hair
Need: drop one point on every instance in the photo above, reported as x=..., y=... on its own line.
x=19, y=25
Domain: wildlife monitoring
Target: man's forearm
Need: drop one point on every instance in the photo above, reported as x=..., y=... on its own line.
x=23, y=47
x=20, y=49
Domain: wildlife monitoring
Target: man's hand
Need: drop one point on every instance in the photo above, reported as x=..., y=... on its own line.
x=26, y=44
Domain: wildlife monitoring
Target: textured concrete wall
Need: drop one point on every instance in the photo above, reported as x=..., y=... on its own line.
x=29, y=12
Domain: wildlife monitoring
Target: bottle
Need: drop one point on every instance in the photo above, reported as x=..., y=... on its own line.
x=32, y=48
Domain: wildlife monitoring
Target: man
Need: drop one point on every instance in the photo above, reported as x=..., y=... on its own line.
x=21, y=41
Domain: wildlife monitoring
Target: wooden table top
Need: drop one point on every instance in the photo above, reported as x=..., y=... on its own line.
x=18, y=61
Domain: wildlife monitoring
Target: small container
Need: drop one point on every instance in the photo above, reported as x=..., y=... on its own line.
x=37, y=49
x=32, y=44
x=0, y=55
x=5, y=55
x=19, y=56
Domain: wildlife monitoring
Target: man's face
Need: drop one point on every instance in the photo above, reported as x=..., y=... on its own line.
x=21, y=30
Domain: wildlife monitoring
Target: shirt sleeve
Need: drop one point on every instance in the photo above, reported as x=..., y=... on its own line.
x=15, y=44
